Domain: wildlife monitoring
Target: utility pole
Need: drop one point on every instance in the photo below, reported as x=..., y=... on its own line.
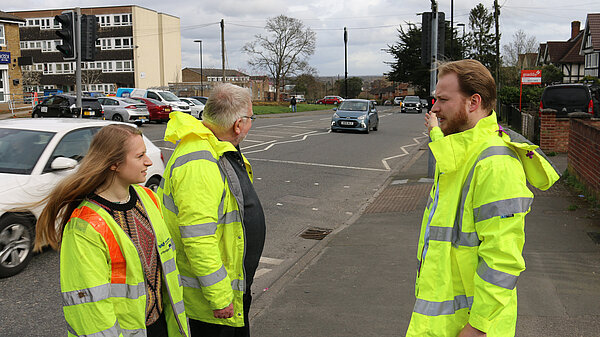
x=433, y=76
x=223, y=47
x=200, y=57
x=77, y=22
x=346, y=62
x=496, y=14
x=452, y=29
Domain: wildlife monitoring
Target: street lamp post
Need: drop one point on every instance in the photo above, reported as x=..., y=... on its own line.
x=463, y=39
x=200, y=57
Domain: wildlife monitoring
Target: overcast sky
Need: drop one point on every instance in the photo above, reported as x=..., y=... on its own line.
x=371, y=24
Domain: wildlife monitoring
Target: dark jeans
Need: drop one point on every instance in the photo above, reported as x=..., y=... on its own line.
x=158, y=328
x=202, y=329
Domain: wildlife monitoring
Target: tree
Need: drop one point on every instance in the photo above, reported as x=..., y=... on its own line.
x=482, y=40
x=354, y=87
x=521, y=44
x=309, y=85
x=551, y=74
x=284, y=50
x=31, y=78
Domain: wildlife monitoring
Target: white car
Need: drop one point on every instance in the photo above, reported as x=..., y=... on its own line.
x=35, y=154
x=196, y=106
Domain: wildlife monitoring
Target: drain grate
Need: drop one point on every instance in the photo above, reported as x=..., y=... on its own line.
x=315, y=233
x=595, y=236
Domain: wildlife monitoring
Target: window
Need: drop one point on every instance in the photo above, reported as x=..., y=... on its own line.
x=2, y=36
x=36, y=22
x=74, y=145
x=45, y=23
x=30, y=22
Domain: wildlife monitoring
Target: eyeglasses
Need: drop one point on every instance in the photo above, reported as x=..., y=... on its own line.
x=253, y=117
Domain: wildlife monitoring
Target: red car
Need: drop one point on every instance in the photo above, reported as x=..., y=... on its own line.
x=330, y=100
x=158, y=110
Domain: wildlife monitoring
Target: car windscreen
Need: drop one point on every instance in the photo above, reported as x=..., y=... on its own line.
x=353, y=106
x=565, y=96
x=195, y=101
x=131, y=101
x=169, y=97
x=412, y=99
x=21, y=149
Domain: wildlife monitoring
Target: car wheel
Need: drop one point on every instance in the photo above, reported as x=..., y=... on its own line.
x=319, y=102
x=16, y=243
x=36, y=115
x=117, y=118
x=153, y=183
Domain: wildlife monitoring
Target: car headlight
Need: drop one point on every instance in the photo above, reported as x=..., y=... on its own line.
x=362, y=118
x=335, y=115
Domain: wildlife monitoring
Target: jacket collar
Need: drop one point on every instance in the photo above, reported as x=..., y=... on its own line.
x=182, y=125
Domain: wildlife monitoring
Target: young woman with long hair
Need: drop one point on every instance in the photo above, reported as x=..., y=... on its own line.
x=118, y=273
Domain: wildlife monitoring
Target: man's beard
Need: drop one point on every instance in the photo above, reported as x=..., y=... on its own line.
x=457, y=124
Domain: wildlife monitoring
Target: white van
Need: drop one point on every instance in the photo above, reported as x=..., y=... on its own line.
x=166, y=97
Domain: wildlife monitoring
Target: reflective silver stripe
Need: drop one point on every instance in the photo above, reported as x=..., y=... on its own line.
x=110, y=332
x=133, y=332
x=102, y=292
x=460, y=238
x=230, y=217
x=496, y=277
x=128, y=290
x=440, y=233
x=222, y=203
x=93, y=294
x=193, y=231
x=214, y=278
x=161, y=185
x=190, y=282
x=429, y=201
x=169, y=203
x=502, y=208
x=429, y=308
x=239, y=285
x=178, y=307
x=188, y=157
x=169, y=266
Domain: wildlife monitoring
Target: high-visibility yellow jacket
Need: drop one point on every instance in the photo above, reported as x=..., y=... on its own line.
x=203, y=206
x=472, y=234
x=102, y=279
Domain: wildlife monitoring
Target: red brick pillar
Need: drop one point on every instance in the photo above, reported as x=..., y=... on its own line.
x=547, y=130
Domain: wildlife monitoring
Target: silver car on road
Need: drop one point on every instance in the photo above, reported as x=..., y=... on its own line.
x=124, y=110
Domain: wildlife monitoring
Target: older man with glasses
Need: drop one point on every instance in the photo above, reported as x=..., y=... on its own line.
x=213, y=212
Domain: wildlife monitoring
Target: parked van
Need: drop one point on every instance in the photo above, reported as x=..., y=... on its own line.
x=163, y=96
x=567, y=98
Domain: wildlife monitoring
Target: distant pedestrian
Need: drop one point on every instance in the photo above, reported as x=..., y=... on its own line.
x=214, y=213
x=117, y=259
x=470, y=249
x=293, y=103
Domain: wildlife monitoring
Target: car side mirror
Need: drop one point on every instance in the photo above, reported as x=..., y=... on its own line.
x=63, y=163
x=334, y=109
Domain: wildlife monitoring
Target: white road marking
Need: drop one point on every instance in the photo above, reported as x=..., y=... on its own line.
x=317, y=164
x=253, y=141
x=300, y=122
x=324, y=119
x=261, y=272
x=398, y=182
x=266, y=126
x=263, y=135
x=426, y=180
x=279, y=204
x=262, y=143
x=286, y=141
x=384, y=160
x=302, y=134
x=315, y=209
x=316, y=184
x=270, y=260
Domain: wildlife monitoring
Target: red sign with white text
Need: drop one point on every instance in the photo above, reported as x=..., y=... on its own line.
x=531, y=76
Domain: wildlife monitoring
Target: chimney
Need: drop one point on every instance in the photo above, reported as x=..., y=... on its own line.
x=575, y=29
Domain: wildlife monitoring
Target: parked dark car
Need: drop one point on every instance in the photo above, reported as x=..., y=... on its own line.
x=201, y=99
x=411, y=104
x=567, y=98
x=63, y=105
x=355, y=114
x=159, y=112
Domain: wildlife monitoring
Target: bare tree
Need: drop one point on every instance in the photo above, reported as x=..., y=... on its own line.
x=90, y=76
x=284, y=50
x=521, y=44
x=31, y=77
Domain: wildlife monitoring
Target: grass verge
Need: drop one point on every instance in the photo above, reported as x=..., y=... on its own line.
x=278, y=109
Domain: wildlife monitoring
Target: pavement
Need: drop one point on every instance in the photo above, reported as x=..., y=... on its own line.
x=359, y=280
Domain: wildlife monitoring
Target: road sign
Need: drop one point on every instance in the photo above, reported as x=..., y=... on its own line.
x=531, y=77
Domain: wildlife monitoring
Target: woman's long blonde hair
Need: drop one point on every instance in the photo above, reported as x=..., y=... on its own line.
x=107, y=148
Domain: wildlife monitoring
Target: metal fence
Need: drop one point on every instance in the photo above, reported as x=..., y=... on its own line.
x=525, y=122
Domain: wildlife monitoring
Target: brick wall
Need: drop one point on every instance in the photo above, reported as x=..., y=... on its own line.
x=554, y=132
x=584, y=153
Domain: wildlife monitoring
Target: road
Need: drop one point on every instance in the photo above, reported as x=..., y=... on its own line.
x=305, y=176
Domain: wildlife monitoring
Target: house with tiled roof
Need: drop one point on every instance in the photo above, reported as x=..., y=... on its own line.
x=590, y=48
x=565, y=55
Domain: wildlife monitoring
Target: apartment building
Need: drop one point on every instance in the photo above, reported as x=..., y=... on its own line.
x=10, y=72
x=136, y=47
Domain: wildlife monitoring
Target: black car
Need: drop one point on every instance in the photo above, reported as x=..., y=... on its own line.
x=567, y=98
x=63, y=105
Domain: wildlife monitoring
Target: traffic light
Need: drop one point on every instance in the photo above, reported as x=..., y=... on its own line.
x=88, y=37
x=426, y=37
x=67, y=34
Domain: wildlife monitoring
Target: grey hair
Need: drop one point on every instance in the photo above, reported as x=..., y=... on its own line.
x=226, y=104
